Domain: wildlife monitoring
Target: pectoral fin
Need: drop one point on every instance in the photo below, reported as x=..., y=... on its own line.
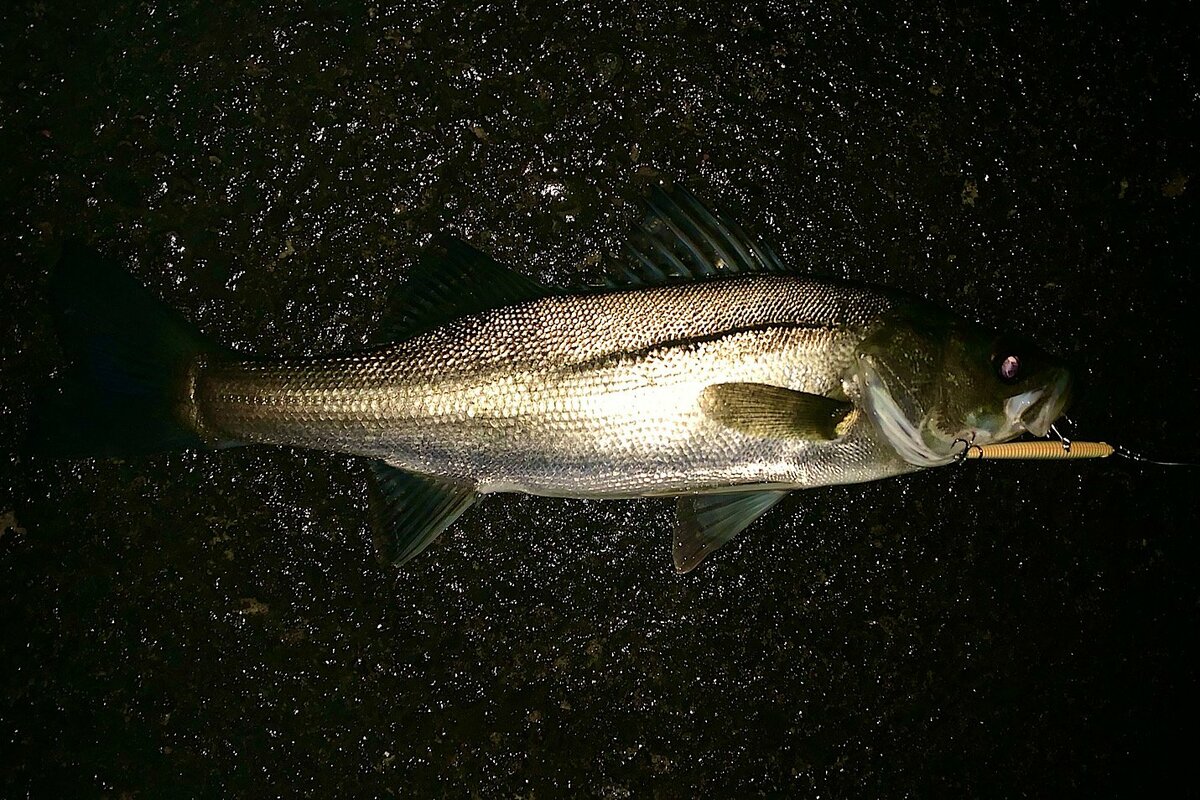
x=759, y=409
x=409, y=511
x=707, y=521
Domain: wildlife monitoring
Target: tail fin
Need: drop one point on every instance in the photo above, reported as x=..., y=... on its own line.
x=125, y=389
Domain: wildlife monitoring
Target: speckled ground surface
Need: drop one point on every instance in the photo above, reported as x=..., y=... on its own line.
x=215, y=624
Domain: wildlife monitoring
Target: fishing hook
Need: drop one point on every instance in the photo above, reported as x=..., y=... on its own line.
x=1066, y=443
x=967, y=444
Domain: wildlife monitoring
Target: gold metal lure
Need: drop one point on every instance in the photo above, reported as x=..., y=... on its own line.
x=1040, y=451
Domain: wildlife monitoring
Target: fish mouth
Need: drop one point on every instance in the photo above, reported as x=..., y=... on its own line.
x=1037, y=409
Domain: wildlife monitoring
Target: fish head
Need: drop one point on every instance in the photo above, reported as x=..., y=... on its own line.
x=931, y=384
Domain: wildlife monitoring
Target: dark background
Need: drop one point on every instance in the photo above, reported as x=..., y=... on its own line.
x=216, y=624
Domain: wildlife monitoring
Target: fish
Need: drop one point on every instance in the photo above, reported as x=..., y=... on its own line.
x=701, y=368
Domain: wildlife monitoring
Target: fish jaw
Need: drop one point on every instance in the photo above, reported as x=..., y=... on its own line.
x=1038, y=416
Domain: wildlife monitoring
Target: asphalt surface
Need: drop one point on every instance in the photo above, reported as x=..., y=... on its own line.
x=216, y=624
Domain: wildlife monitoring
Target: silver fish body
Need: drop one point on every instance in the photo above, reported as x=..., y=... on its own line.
x=594, y=394
x=707, y=371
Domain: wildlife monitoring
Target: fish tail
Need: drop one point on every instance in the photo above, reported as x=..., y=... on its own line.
x=130, y=357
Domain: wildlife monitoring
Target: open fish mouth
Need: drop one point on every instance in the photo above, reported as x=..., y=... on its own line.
x=1026, y=410
x=1036, y=410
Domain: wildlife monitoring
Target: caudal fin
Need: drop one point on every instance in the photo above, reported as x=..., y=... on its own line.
x=124, y=390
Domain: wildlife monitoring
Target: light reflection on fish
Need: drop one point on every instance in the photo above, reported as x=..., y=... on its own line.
x=705, y=370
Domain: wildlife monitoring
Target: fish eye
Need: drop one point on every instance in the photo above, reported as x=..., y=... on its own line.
x=1008, y=368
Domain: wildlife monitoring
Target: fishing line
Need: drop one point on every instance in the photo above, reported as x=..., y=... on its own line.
x=1125, y=452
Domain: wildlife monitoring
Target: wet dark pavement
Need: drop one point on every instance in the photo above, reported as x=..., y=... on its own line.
x=215, y=624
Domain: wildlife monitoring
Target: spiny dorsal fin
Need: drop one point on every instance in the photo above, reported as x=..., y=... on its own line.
x=450, y=280
x=681, y=239
x=707, y=521
x=409, y=511
x=759, y=409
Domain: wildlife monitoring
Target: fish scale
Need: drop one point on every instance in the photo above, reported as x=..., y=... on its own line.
x=587, y=394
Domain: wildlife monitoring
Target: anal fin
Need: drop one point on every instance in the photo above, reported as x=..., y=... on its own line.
x=409, y=510
x=707, y=521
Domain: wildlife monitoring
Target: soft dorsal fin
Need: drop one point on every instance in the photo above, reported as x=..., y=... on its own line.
x=681, y=239
x=452, y=279
x=759, y=409
x=707, y=521
x=409, y=511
